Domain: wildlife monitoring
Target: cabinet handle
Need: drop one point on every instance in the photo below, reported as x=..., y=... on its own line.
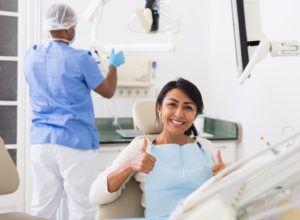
x=222, y=146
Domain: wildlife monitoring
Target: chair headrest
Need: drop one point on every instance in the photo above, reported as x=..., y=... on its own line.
x=144, y=117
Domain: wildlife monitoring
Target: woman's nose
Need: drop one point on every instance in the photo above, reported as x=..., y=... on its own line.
x=179, y=111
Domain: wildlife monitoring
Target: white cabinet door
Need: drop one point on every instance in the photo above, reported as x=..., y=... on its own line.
x=108, y=153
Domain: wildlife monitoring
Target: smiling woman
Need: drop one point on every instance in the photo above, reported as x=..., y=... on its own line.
x=183, y=101
x=177, y=112
x=172, y=165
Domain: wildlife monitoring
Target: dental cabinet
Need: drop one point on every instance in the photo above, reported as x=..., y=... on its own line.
x=224, y=134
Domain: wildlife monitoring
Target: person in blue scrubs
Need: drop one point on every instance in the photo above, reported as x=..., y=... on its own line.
x=171, y=166
x=64, y=139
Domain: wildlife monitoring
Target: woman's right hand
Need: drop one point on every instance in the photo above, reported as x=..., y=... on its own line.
x=143, y=162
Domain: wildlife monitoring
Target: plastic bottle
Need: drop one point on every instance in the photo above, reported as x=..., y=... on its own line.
x=153, y=69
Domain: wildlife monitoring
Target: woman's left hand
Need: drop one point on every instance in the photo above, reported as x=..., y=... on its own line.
x=219, y=165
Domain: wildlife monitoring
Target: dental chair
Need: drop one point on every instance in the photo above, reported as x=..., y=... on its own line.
x=144, y=117
x=128, y=205
x=9, y=183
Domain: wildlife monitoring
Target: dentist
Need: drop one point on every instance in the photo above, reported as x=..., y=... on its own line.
x=64, y=138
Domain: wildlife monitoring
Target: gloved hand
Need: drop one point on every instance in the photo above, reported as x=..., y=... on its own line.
x=116, y=59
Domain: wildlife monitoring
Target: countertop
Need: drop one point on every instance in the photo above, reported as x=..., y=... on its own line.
x=221, y=129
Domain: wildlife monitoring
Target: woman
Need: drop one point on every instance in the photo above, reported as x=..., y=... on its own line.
x=173, y=165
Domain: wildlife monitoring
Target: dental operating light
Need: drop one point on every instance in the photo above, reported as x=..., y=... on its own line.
x=155, y=17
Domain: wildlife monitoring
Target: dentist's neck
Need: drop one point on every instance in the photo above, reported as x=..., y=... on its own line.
x=59, y=35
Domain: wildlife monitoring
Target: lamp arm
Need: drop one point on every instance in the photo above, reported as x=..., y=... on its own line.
x=93, y=9
x=260, y=53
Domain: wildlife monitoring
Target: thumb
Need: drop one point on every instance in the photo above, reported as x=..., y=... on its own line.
x=219, y=157
x=144, y=146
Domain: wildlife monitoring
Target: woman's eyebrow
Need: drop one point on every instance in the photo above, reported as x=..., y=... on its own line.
x=189, y=103
x=174, y=100
x=185, y=103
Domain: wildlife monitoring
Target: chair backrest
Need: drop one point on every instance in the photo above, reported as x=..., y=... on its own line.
x=144, y=116
x=8, y=173
x=128, y=205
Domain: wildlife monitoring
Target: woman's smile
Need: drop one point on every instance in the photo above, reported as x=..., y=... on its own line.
x=177, y=122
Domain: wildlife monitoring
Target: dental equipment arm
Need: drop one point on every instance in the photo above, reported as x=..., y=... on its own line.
x=275, y=211
x=259, y=54
x=277, y=49
x=229, y=185
x=94, y=8
x=94, y=14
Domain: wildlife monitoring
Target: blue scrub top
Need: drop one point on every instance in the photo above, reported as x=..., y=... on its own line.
x=60, y=80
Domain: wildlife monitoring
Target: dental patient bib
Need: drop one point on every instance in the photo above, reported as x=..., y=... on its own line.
x=178, y=171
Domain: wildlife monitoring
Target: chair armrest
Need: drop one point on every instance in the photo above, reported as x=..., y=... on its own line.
x=128, y=205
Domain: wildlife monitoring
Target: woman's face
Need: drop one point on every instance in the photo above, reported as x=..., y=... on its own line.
x=177, y=112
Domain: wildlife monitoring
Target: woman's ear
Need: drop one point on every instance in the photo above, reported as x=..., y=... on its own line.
x=158, y=109
x=69, y=30
x=196, y=115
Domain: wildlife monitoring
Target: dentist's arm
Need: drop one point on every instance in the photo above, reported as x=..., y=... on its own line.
x=108, y=86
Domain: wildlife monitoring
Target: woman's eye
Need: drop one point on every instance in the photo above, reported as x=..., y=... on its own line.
x=172, y=104
x=189, y=107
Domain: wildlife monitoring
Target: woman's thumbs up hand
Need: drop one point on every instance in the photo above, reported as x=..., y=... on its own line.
x=143, y=162
x=219, y=165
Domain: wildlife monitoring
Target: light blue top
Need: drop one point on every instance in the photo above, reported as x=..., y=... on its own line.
x=60, y=80
x=124, y=219
x=178, y=171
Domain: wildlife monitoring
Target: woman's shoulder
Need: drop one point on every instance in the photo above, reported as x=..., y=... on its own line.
x=135, y=144
x=207, y=145
x=203, y=141
x=138, y=141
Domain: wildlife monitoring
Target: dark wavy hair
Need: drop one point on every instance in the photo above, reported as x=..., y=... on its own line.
x=190, y=90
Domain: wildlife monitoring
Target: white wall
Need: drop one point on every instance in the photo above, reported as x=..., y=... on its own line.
x=205, y=55
x=269, y=100
x=190, y=59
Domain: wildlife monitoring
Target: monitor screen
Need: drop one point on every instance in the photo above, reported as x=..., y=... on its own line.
x=247, y=30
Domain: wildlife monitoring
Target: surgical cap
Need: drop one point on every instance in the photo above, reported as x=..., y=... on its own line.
x=60, y=17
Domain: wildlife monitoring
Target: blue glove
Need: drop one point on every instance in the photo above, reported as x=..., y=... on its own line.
x=116, y=59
